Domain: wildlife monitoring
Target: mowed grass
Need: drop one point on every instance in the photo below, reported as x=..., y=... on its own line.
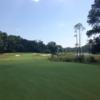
x=33, y=77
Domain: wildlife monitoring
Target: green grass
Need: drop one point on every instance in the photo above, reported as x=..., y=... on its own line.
x=33, y=77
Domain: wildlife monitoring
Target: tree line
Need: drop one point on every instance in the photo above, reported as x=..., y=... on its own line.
x=12, y=43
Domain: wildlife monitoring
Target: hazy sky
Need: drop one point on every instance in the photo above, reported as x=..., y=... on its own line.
x=46, y=20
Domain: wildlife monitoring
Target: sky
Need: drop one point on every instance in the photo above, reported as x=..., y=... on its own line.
x=46, y=20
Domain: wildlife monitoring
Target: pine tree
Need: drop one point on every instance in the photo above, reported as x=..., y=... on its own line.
x=94, y=21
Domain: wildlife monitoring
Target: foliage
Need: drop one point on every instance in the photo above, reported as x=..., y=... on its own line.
x=52, y=47
x=90, y=59
x=11, y=43
x=3, y=41
x=94, y=14
x=79, y=58
x=94, y=21
x=71, y=57
x=94, y=31
x=63, y=57
x=95, y=45
x=78, y=27
x=97, y=57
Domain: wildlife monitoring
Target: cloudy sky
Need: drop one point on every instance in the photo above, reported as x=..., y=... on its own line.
x=46, y=20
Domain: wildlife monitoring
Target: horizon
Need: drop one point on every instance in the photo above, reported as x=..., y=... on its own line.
x=45, y=20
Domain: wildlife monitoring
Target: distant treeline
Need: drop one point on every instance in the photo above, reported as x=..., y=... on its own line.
x=85, y=49
x=12, y=43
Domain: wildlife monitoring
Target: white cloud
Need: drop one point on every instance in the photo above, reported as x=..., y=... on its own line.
x=35, y=0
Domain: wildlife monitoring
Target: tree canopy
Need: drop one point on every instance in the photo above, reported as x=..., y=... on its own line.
x=12, y=43
x=94, y=21
x=94, y=18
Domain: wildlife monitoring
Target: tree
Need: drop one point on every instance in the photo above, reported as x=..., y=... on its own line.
x=41, y=47
x=78, y=29
x=52, y=48
x=94, y=21
x=76, y=44
x=59, y=49
x=12, y=43
x=3, y=41
x=94, y=14
x=94, y=18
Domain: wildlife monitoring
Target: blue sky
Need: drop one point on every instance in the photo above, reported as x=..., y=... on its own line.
x=46, y=20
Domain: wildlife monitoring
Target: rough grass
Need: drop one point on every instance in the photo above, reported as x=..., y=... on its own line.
x=33, y=77
x=97, y=57
x=72, y=57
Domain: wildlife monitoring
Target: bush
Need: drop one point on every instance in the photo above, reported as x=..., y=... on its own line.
x=65, y=57
x=80, y=58
x=91, y=59
x=72, y=58
x=97, y=58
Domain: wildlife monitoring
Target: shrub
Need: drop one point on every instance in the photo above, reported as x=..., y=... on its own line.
x=97, y=58
x=63, y=57
x=72, y=58
x=91, y=59
x=80, y=58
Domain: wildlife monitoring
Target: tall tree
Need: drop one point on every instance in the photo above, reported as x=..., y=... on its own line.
x=94, y=21
x=78, y=29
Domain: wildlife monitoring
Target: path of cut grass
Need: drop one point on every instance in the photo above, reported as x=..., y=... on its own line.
x=32, y=77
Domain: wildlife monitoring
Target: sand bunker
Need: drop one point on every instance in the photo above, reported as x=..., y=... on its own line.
x=45, y=55
x=17, y=55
